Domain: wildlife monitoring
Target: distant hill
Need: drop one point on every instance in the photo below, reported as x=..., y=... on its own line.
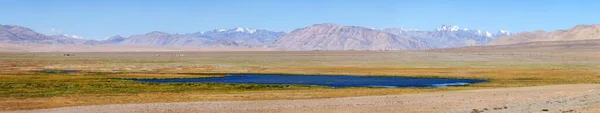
x=114, y=40
x=237, y=37
x=579, y=32
x=315, y=37
x=243, y=35
x=231, y=38
x=338, y=37
x=21, y=35
x=157, y=38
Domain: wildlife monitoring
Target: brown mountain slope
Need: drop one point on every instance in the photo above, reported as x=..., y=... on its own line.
x=11, y=34
x=18, y=34
x=338, y=37
x=579, y=32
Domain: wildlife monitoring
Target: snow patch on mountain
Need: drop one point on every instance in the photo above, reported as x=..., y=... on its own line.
x=448, y=28
x=505, y=32
x=72, y=36
x=488, y=34
x=248, y=30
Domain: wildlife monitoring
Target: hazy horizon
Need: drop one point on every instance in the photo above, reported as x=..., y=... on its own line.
x=101, y=19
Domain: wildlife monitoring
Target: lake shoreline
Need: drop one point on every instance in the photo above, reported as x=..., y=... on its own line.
x=334, y=81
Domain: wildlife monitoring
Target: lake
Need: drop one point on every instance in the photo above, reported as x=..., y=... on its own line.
x=335, y=81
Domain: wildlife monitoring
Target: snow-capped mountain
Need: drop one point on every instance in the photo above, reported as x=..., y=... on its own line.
x=316, y=37
x=247, y=30
x=448, y=28
x=503, y=32
x=242, y=35
x=235, y=37
x=450, y=36
x=454, y=28
x=237, y=29
x=108, y=41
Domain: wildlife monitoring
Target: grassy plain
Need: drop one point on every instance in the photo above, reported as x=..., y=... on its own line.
x=99, y=76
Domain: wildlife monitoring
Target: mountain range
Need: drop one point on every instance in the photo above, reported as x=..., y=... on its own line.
x=22, y=35
x=338, y=37
x=447, y=36
x=577, y=33
x=325, y=36
x=237, y=37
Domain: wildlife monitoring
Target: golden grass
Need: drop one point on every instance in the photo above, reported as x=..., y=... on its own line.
x=190, y=96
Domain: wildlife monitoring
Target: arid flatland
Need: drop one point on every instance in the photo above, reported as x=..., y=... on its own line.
x=97, y=77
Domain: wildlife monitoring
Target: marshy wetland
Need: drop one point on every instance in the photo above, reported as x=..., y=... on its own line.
x=35, y=80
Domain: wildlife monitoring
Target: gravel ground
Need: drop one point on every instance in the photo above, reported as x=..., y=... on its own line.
x=553, y=99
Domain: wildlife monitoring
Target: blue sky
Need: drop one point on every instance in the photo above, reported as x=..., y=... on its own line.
x=103, y=18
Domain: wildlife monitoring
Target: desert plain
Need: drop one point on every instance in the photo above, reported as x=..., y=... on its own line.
x=538, y=79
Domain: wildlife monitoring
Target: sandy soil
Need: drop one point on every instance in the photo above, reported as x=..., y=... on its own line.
x=554, y=99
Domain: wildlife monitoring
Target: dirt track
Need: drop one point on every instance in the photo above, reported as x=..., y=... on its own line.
x=557, y=98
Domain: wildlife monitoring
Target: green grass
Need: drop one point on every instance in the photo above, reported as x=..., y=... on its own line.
x=56, y=84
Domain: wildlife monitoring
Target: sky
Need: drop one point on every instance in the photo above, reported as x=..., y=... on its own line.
x=98, y=19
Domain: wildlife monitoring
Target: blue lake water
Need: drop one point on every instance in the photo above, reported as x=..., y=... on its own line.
x=325, y=80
